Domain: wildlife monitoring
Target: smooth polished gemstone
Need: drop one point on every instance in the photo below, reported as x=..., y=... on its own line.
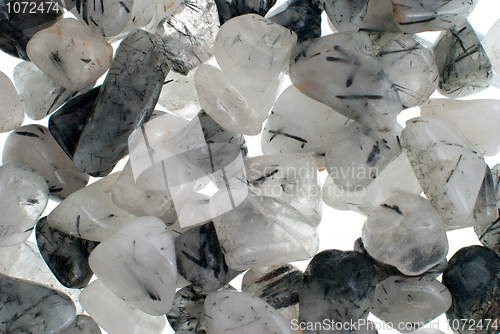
x=485, y=210
x=491, y=44
x=70, y=54
x=12, y=110
x=179, y=96
x=228, y=9
x=83, y=324
x=106, y=18
x=489, y=235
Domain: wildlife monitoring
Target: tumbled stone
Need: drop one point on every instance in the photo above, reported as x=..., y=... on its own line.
x=35, y=145
x=12, y=111
x=126, y=100
x=66, y=256
x=179, y=95
x=491, y=45
x=26, y=307
x=360, y=90
x=187, y=36
x=410, y=302
x=70, y=54
x=106, y=18
x=90, y=213
x=464, y=67
x=234, y=312
x=489, y=235
x=485, y=209
x=447, y=165
x=116, y=316
x=24, y=197
x=83, y=325
x=292, y=178
x=472, y=277
x=407, y=232
x=200, y=259
x=228, y=9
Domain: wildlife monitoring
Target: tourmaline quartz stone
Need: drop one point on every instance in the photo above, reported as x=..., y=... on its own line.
x=410, y=302
x=448, y=166
x=178, y=95
x=485, y=210
x=66, y=256
x=406, y=232
x=126, y=100
x=491, y=44
x=228, y=9
x=11, y=111
x=35, y=145
x=338, y=286
x=235, y=312
x=360, y=90
x=464, y=66
x=24, y=196
x=83, y=324
x=70, y=54
x=489, y=235
x=26, y=307
x=472, y=277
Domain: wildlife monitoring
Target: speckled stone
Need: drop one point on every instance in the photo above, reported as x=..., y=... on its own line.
x=228, y=9
x=83, y=325
x=12, y=110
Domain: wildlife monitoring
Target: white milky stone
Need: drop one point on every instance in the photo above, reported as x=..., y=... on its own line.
x=83, y=325
x=138, y=265
x=478, y=120
x=397, y=177
x=292, y=178
x=233, y=312
x=406, y=232
x=12, y=111
x=116, y=316
x=24, y=196
x=179, y=95
x=491, y=44
x=70, y=54
x=448, y=166
x=90, y=213
x=106, y=18
x=403, y=301
x=263, y=231
x=252, y=52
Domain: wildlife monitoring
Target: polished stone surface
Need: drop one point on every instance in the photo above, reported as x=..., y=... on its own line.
x=179, y=96
x=12, y=110
x=228, y=9
x=491, y=44
x=83, y=325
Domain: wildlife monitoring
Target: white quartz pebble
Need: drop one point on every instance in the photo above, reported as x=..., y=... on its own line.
x=11, y=111
x=491, y=44
x=179, y=95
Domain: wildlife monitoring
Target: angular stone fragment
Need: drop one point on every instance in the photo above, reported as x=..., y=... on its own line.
x=464, y=67
x=360, y=90
x=12, y=111
x=235, y=312
x=407, y=232
x=179, y=95
x=32, y=308
x=448, y=166
x=83, y=325
x=126, y=100
x=35, y=145
x=491, y=45
x=228, y=9
x=70, y=54
x=410, y=302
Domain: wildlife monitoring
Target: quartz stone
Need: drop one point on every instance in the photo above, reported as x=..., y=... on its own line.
x=472, y=277
x=228, y=9
x=89, y=213
x=485, y=210
x=66, y=256
x=406, y=232
x=18, y=27
x=70, y=54
x=200, y=259
x=12, y=111
x=357, y=155
x=35, y=145
x=448, y=166
x=337, y=285
x=264, y=231
x=415, y=16
x=292, y=178
x=116, y=316
x=235, y=312
x=26, y=307
x=138, y=265
x=287, y=132
x=478, y=120
x=411, y=67
x=488, y=235
x=360, y=90
x=464, y=67
x=410, y=302
x=491, y=44
x=277, y=286
x=179, y=95
x=126, y=100
x=24, y=197
x=187, y=36
x=83, y=325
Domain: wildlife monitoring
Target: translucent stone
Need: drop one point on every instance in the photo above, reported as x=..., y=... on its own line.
x=447, y=165
x=179, y=95
x=491, y=45
x=231, y=8
x=83, y=325
x=106, y=18
x=360, y=90
x=485, y=210
x=464, y=67
x=406, y=232
x=24, y=196
x=234, y=312
x=35, y=145
x=90, y=213
x=114, y=315
x=12, y=110
x=487, y=232
x=406, y=301
x=478, y=120
x=70, y=54
x=292, y=178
